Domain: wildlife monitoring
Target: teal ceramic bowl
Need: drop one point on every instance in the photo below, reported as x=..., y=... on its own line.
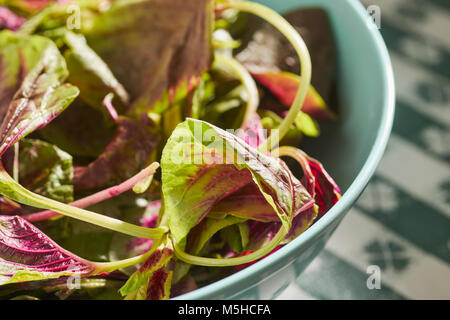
x=350, y=149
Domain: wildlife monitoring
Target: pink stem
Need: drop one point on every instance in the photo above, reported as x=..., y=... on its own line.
x=97, y=197
x=107, y=102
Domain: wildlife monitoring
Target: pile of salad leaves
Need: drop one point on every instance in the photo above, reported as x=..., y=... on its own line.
x=101, y=105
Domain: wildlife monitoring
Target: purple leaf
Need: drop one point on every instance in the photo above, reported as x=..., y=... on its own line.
x=327, y=192
x=152, y=280
x=253, y=132
x=159, y=285
x=32, y=67
x=163, y=44
x=127, y=153
x=9, y=20
x=27, y=254
x=202, y=165
x=316, y=179
x=285, y=85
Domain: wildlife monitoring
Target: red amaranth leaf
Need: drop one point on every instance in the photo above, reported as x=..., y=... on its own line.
x=26, y=254
x=127, y=154
x=326, y=189
x=269, y=51
x=163, y=44
x=159, y=285
x=33, y=67
x=198, y=174
x=317, y=180
x=9, y=20
x=285, y=86
x=253, y=132
x=152, y=280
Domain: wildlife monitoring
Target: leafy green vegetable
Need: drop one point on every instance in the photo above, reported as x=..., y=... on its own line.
x=284, y=86
x=27, y=254
x=80, y=130
x=268, y=51
x=203, y=232
x=270, y=120
x=247, y=202
x=202, y=164
x=152, y=280
x=139, y=68
x=128, y=152
x=32, y=68
x=163, y=43
x=46, y=170
x=237, y=236
x=89, y=73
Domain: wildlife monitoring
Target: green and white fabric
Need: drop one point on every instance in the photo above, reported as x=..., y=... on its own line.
x=401, y=223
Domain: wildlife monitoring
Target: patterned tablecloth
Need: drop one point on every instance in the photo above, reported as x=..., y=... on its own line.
x=401, y=223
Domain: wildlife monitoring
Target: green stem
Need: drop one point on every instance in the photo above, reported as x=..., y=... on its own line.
x=26, y=196
x=211, y=262
x=102, y=267
x=106, y=267
x=226, y=63
x=299, y=45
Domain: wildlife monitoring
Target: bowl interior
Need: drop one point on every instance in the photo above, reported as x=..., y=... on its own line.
x=350, y=148
x=344, y=146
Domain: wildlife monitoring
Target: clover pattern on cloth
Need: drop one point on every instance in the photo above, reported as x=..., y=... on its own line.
x=387, y=255
x=401, y=223
x=381, y=197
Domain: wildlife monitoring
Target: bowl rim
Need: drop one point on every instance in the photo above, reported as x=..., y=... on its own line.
x=348, y=198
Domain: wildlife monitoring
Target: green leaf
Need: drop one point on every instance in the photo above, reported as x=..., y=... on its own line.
x=208, y=227
x=153, y=46
x=80, y=130
x=90, y=73
x=46, y=170
x=307, y=125
x=32, y=69
x=202, y=164
x=237, y=236
x=270, y=120
x=145, y=282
